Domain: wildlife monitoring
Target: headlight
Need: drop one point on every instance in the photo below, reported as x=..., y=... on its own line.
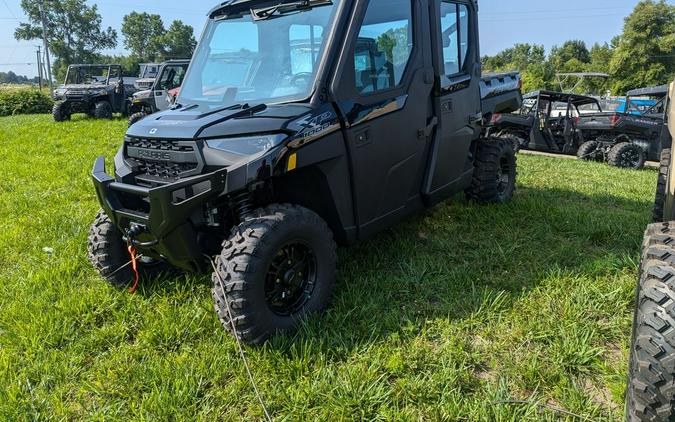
x=59, y=92
x=248, y=145
x=142, y=95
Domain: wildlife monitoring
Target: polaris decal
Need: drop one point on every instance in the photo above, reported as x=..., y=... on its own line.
x=312, y=127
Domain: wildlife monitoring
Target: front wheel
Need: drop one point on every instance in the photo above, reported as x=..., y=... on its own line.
x=627, y=155
x=517, y=141
x=277, y=267
x=650, y=395
x=103, y=110
x=61, y=112
x=108, y=254
x=494, y=176
x=134, y=118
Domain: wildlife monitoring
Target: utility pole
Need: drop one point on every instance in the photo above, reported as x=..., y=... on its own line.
x=46, y=42
x=39, y=67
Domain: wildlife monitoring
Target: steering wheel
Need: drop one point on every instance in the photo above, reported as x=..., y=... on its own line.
x=306, y=76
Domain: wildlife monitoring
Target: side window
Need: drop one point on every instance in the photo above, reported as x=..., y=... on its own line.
x=454, y=36
x=384, y=45
x=305, y=46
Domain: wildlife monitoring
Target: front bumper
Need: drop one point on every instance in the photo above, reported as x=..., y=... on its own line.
x=162, y=214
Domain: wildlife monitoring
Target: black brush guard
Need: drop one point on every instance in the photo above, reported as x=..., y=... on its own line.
x=163, y=226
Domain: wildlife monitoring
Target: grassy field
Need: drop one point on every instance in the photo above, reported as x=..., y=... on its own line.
x=440, y=318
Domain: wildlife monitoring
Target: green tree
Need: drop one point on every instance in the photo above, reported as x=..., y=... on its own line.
x=518, y=57
x=179, y=41
x=645, y=51
x=143, y=35
x=573, y=56
x=73, y=29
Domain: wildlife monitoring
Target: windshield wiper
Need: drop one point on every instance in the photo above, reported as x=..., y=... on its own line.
x=264, y=13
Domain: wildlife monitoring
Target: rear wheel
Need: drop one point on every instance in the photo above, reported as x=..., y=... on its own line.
x=60, y=112
x=516, y=141
x=108, y=253
x=627, y=155
x=650, y=395
x=661, y=187
x=590, y=151
x=103, y=110
x=136, y=117
x=494, y=176
x=276, y=268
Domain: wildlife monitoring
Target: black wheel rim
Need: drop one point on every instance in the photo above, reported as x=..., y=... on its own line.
x=630, y=158
x=503, y=178
x=291, y=278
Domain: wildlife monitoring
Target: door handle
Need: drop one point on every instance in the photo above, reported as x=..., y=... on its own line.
x=428, y=130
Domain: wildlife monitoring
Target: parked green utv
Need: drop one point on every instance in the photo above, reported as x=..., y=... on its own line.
x=651, y=385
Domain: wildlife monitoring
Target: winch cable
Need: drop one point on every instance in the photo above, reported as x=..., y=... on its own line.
x=134, y=267
x=239, y=346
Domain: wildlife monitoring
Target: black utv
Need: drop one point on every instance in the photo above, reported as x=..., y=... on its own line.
x=629, y=137
x=97, y=90
x=651, y=375
x=159, y=96
x=546, y=122
x=301, y=125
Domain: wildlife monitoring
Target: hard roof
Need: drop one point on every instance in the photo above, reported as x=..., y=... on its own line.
x=561, y=97
x=661, y=90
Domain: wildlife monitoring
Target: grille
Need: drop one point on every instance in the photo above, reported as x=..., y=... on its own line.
x=160, y=144
x=183, y=160
x=165, y=170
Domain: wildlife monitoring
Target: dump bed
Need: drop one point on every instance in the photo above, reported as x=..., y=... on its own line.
x=500, y=92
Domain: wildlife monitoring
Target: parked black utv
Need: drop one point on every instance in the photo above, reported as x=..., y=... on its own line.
x=301, y=125
x=96, y=90
x=650, y=395
x=630, y=137
x=546, y=122
x=158, y=97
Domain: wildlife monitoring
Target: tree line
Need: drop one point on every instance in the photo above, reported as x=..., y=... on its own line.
x=75, y=34
x=643, y=55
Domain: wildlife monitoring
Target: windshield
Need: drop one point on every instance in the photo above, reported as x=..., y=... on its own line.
x=242, y=60
x=91, y=75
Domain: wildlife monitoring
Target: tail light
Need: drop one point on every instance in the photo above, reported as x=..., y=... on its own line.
x=614, y=119
x=577, y=120
x=496, y=117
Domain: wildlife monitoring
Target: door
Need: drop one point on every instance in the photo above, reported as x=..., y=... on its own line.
x=171, y=78
x=456, y=99
x=383, y=88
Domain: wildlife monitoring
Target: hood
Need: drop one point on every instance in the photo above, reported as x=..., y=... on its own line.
x=195, y=123
x=84, y=87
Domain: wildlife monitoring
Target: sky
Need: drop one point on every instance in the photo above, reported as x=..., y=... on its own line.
x=502, y=23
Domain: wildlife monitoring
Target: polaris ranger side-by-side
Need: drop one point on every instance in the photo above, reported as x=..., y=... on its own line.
x=629, y=137
x=98, y=90
x=302, y=124
x=170, y=77
x=546, y=122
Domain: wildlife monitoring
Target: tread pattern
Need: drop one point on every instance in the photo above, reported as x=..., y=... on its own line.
x=484, y=186
x=58, y=112
x=105, y=249
x=651, y=387
x=136, y=117
x=107, y=252
x=614, y=156
x=516, y=141
x=103, y=110
x=590, y=151
x=660, y=199
x=244, y=254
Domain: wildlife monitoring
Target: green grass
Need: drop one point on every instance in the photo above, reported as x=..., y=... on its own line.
x=435, y=319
